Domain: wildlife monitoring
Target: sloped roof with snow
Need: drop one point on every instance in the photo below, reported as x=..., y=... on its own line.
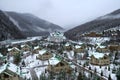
x=57, y=34
x=36, y=47
x=53, y=61
x=24, y=45
x=1, y=55
x=9, y=49
x=10, y=66
x=98, y=55
x=77, y=46
x=101, y=47
x=67, y=44
x=43, y=51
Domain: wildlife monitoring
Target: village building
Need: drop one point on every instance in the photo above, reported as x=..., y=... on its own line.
x=68, y=46
x=114, y=47
x=93, y=34
x=36, y=49
x=56, y=37
x=102, y=49
x=79, y=49
x=13, y=51
x=44, y=55
x=10, y=71
x=101, y=59
x=56, y=66
x=25, y=47
x=2, y=59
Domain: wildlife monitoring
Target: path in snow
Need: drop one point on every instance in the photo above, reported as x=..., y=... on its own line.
x=33, y=74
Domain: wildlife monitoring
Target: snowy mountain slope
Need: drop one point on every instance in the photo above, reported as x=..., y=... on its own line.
x=100, y=24
x=31, y=25
x=8, y=30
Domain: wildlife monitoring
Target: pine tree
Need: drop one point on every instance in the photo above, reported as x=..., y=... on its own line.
x=89, y=68
x=101, y=73
x=23, y=63
x=17, y=58
x=118, y=74
x=109, y=78
x=108, y=68
x=95, y=70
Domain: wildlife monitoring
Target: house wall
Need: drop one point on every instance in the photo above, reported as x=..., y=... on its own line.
x=45, y=57
x=100, y=61
x=58, y=68
x=102, y=50
x=14, y=77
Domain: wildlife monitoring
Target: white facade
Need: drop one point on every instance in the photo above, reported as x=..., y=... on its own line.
x=56, y=37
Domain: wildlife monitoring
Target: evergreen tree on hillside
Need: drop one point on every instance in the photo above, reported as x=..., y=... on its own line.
x=118, y=74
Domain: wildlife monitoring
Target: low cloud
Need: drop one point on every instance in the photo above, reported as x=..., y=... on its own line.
x=66, y=13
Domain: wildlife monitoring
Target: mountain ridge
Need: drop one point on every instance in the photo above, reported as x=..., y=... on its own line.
x=15, y=25
x=97, y=25
x=32, y=25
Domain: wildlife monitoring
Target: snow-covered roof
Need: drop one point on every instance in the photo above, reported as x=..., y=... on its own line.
x=1, y=55
x=9, y=49
x=22, y=45
x=77, y=46
x=101, y=46
x=53, y=61
x=97, y=40
x=57, y=34
x=43, y=51
x=67, y=44
x=36, y=47
x=80, y=43
x=98, y=55
x=10, y=66
x=25, y=52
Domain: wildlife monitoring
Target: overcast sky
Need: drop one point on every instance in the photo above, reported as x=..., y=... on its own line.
x=66, y=13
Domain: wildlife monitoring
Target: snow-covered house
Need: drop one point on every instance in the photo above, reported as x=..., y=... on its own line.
x=114, y=47
x=2, y=59
x=79, y=49
x=25, y=47
x=44, y=55
x=56, y=37
x=56, y=66
x=36, y=49
x=102, y=49
x=97, y=58
x=10, y=71
x=68, y=46
x=13, y=51
x=93, y=34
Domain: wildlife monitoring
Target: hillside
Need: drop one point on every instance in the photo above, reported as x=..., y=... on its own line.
x=31, y=25
x=100, y=24
x=8, y=29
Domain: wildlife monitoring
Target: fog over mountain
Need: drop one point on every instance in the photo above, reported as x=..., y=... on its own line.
x=108, y=21
x=65, y=13
x=18, y=26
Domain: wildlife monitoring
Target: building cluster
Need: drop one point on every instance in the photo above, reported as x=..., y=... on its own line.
x=42, y=53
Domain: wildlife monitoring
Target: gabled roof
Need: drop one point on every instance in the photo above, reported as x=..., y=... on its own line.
x=98, y=55
x=11, y=67
x=67, y=44
x=43, y=51
x=53, y=61
x=36, y=47
x=1, y=55
x=101, y=46
x=77, y=46
x=57, y=34
x=9, y=49
x=24, y=45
